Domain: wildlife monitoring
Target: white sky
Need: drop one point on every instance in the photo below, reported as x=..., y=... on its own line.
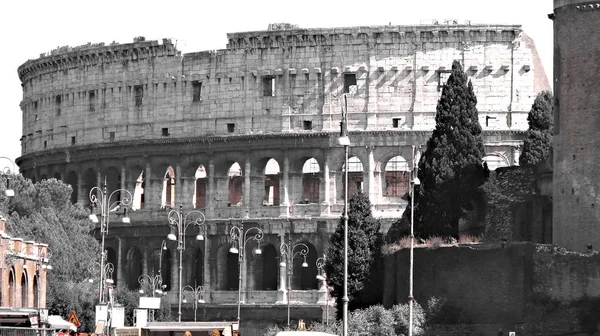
x=36, y=26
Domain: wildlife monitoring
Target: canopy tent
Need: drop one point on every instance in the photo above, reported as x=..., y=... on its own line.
x=57, y=322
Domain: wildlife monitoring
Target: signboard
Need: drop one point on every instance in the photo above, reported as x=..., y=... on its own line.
x=73, y=319
x=149, y=303
x=99, y=327
x=101, y=313
x=33, y=319
x=117, y=317
x=141, y=318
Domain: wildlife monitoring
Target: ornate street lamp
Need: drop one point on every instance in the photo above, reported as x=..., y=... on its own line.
x=414, y=181
x=105, y=269
x=239, y=238
x=163, y=247
x=99, y=198
x=179, y=224
x=323, y=278
x=344, y=140
x=42, y=263
x=196, y=293
x=288, y=252
x=153, y=284
x=6, y=172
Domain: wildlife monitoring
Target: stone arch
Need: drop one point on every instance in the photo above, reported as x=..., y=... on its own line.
x=111, y=257
x=57, y=176
x=198, y=275
x=496, y=160
x=44, y=177
x=269, y=265
x=200, y=185
x=305, y=277
x=12, y=288
x=311, y=181
x=396, y=177
x=233, y=271
x=113, y=182
x=72, y=181
x=236, y=184
x=90, y=180
x=168, y=190
x=165, y=268
x=36, y=297
x=24, y=290
x=355, y=175
x=134, y=267
x=271, y=183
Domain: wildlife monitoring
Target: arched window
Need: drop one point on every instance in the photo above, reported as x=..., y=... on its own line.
x=199, y=268
x=57, y=176
x=310, y=181
x=89, y=181
x=305, y=277
x=233, y=271
x=168, y=194
x=236, y=182
x=355, y=175
x=270, y=268
x=495, y=161
x=271, y=183
x=165, y=269
x=397, y=176
x=111, y=257
x=36, y=292
x=113, y=182
x=200, y=192
x=72, y=181
x=11, y=288
x=134, y=268
x=24, y=291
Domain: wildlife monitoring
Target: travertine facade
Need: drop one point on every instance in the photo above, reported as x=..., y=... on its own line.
x=576, y=118
x=175, y=126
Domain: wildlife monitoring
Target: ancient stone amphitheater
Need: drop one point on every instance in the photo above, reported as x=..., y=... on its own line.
x=247, y=134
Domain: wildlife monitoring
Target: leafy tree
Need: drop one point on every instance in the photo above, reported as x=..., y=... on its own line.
x=43, y=212
x=451, y=170
x=537, y=145
x=364, y=244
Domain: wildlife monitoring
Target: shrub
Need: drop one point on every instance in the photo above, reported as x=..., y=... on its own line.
x=466, y=239
x=434, y=242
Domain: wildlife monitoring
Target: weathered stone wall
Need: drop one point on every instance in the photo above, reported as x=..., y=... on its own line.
x=528, y=288
x=576, y=116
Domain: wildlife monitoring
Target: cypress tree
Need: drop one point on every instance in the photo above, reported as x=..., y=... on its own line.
x=537, y=146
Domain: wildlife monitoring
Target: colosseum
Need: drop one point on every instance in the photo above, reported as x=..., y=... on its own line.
x=248, y=134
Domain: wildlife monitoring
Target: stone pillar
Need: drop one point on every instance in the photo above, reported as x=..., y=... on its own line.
x=371, y=177
x=206, y=264
x=145, y=260
x=148, y=192
x=210, y=195
x=99, y=180
x=175, y=273
x=120, y=279
x=123, y=183
x=178, y=187
x=284, y=187
x=80, y=197
x=247, y=186
x=324, y=196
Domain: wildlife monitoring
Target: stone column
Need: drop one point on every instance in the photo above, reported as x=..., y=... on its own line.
x=211, y=195
x=206, y=265
x=179, y=198
x=324, y=196
x=124, y=184
x=371, y=177
x=148, y=192
x=175, y=273
x=120, y=279
x=282, y=291
x=247, y=187
x=145, y=260
x=80, y=197
x=284, y=187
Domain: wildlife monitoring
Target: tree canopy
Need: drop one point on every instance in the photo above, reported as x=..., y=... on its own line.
x=537, y=146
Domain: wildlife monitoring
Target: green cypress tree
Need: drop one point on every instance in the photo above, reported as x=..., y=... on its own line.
x=537, y=145
x=451, y=169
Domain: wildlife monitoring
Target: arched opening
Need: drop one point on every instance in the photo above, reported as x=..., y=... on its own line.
x=111, y=257
x=236, y=182
x=271, y=183
x=233, y=271
x=36, y=292
x=165, y=269
x=44, y=177
x=168, y=193
x=89, y=181
x=199, y=268
x=72, y=181
x=11, y=288
x=24, y=291
x=305, y=277
x=310, y=181
x=397, y=176
x=495, y=161
x=113, y=182
x=57, y=176
x=138, y=194
x=270, y=268
x=134, y=268
x=355, y=175
x=200, y=188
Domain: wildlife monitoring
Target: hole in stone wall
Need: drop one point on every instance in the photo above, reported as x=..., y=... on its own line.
x=165, y=131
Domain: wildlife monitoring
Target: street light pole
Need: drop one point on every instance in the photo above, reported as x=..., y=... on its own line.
x=323, y=277
x=197, y=292
x=42, y=263
x=344, y=140
x=100, y=198
x=288, y=252
x=240, y=237
x=414, y=181
x=6, y=172
x=154, y=284
x=179, y=224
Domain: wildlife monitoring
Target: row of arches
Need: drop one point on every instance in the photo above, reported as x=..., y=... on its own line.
x=19, y=293
x=262, y=270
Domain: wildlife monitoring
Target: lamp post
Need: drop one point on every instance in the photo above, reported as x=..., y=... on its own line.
x=414, y=181
x=288, y=252
x=99, y=198
x=153, y=284
x=323, y=277
x=6, y=172
x=179, y=224
x=344, y=140
x=163, y=247
x=197, y=293
x=240, y=237
x=106, y=270
x=42, y=263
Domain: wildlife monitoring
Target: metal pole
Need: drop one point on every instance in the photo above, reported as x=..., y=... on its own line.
x=345, y=297
x=103, y=214
x=180, y=247
x=412, y=238
x=241, y=254
x=289, y=276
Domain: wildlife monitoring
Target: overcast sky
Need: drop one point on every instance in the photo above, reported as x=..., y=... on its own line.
x=36, y=26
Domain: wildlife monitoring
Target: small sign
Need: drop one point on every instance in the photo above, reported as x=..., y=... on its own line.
x=512, y=333
x=73, y=319
x=99, y=327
